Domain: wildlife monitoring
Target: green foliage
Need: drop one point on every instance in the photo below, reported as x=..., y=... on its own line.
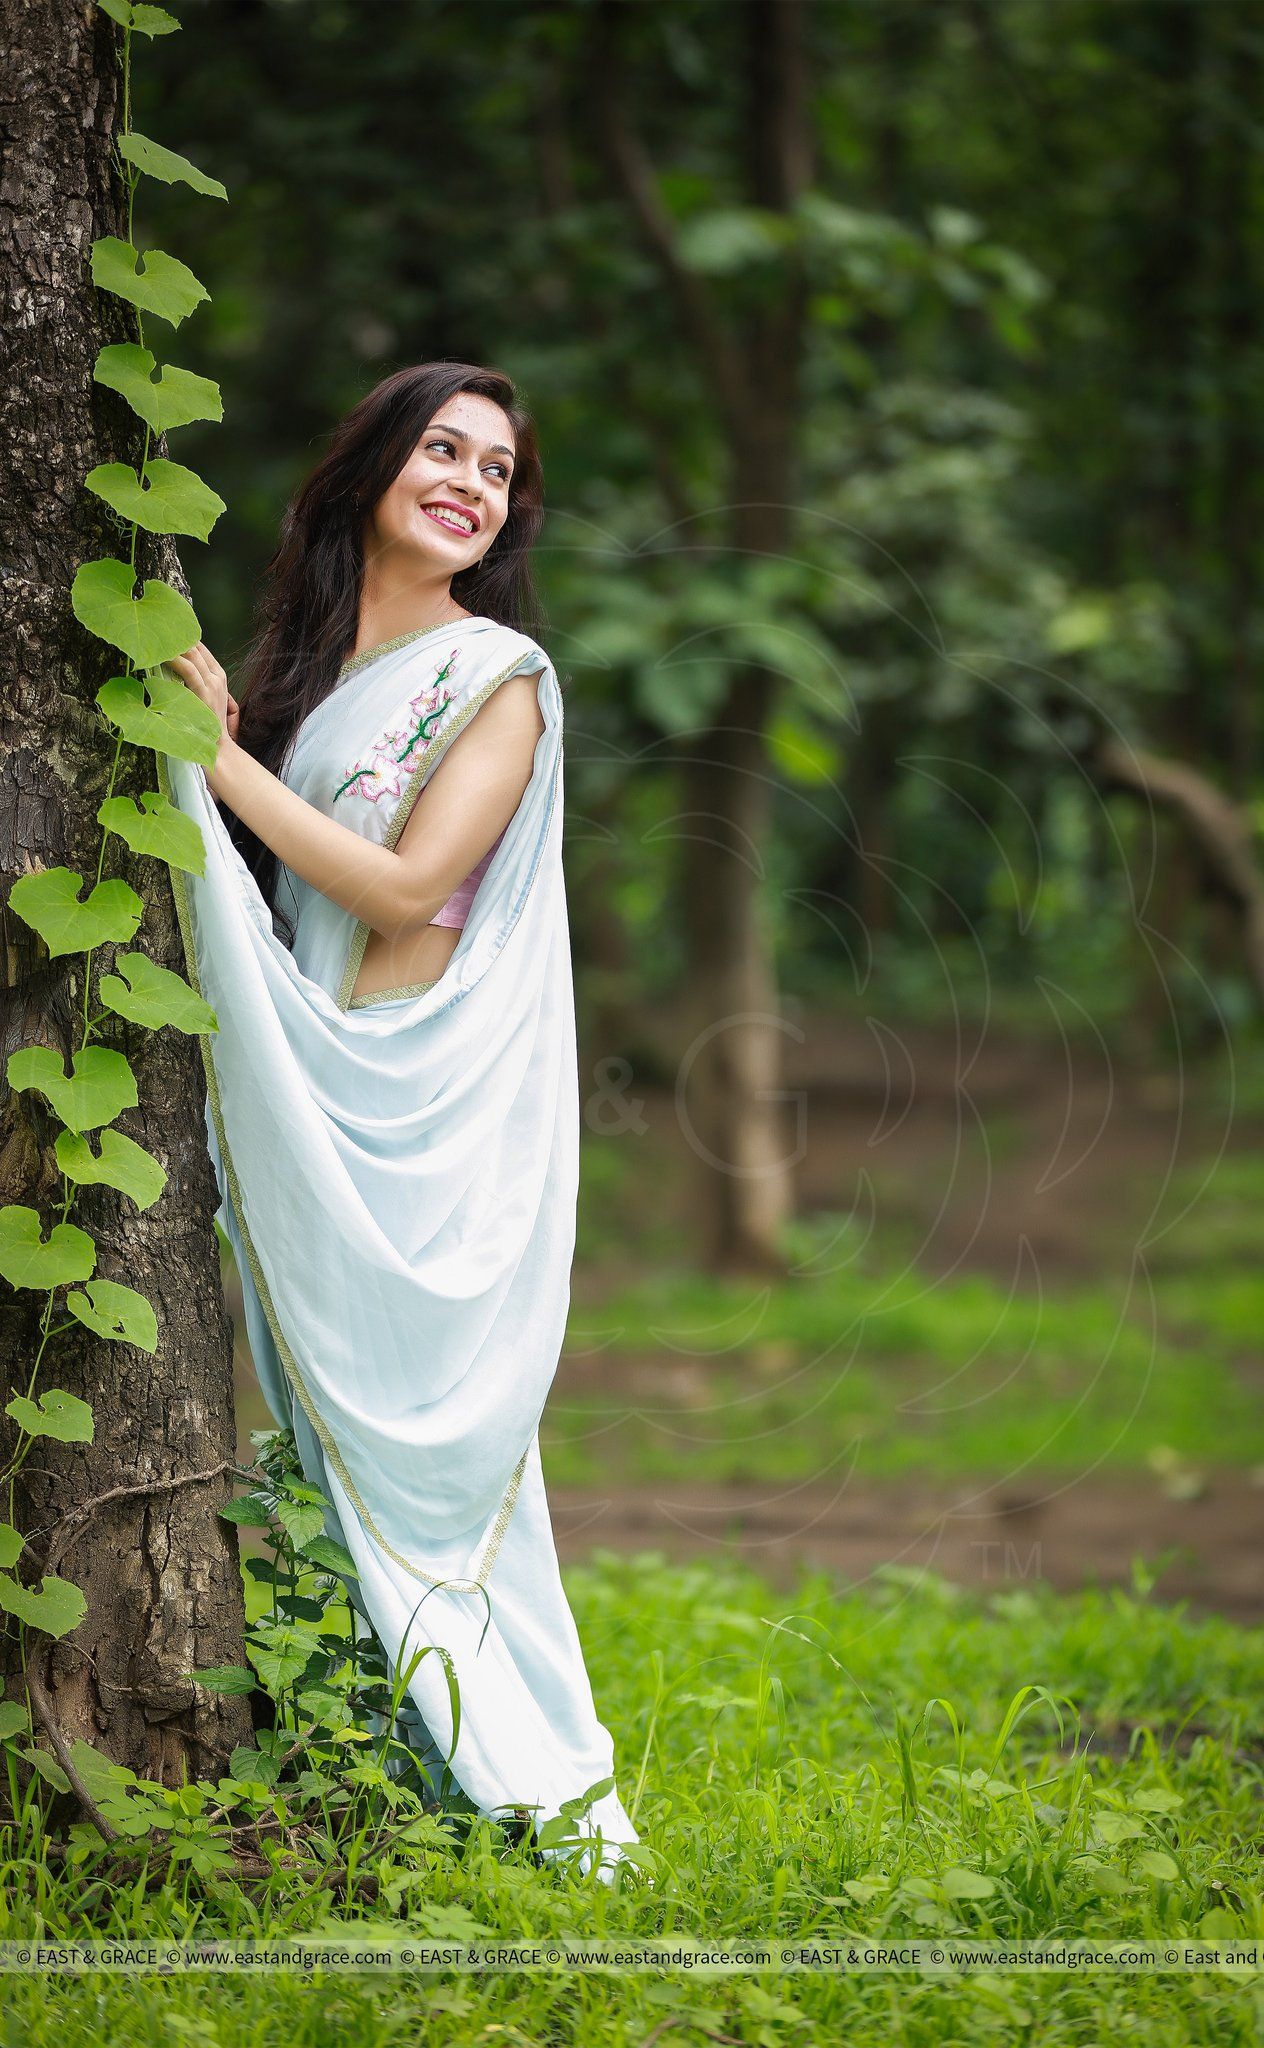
x=172, y=399
x=57, y=1414
x=165, y=498
x=116, y=1312
x=149, y=629
x=166, y=164
x=156, y=827
x=50, y=903
x=100, y=1083
x=165, y=286
x=149, y=625
x=158, y=711
x=153, y=995
x=29, y=1259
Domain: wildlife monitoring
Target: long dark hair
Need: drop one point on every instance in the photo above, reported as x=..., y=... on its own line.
x=308, y=610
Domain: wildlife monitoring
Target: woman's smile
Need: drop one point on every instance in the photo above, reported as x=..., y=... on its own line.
x=457, y=518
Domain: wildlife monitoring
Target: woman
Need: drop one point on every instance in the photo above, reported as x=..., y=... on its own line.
x=392, y=1101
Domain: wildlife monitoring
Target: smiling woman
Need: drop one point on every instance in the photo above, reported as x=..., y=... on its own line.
x=392, y=1104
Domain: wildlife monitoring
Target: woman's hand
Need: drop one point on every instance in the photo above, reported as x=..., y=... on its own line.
x=200, y=671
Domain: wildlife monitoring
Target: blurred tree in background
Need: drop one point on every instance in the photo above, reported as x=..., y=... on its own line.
x=899, y=387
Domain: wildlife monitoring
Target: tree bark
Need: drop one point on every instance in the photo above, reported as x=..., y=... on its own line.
x=158, y=1569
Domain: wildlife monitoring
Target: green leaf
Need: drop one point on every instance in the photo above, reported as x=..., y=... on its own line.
x=158, y=710
x=282, y=1659
x=149, y=629
x=153, y=21
x=245, y=1509
x=49, y=903
x=154, y=996
x=802, y=755
x=13, y=1719
x=48, y=1767
x=28, y=1259
x=330, y=1556
x=967, y=1884
x=165, y=164
x=230, y=1678
x=156, y=828
x=99, y=1085
x=170, y=499
x=60, y=1415
x=300, y=1522
x=172, y=399
x=1156, y=1864
x=164, y=287
x=116, y=1311
x=120, y=1163
x=147, y=21
x=56, y=1609
x=12, y=1544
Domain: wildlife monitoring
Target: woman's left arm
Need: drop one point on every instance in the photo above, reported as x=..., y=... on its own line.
x=369, y=881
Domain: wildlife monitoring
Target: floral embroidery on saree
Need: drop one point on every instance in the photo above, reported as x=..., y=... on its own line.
x=393, y=757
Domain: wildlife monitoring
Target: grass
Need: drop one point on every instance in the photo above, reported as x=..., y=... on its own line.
x=865, y=1761
x=858, y=1355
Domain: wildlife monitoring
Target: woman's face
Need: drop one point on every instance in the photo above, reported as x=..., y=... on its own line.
x=451, y=498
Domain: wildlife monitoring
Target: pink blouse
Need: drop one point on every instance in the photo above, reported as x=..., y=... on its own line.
x=457, y=908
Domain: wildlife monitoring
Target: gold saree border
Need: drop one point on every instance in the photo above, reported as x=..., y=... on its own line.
x=359, y=661
x=388, y=995
x=403, y=810
x=491, y=1548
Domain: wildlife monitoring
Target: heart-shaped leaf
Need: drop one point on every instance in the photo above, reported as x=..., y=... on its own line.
x=56, y=1609
x=172, y=399
x=157, y=828
x=27, y=1259
x=158, y=710
x=165, y=164
x=153, y=996
x=60, y=1415
x=150, y=628
x=12, y=1544
x=120, y=1163
x=300, y=1521
x=117, y=1312
x=49, y=903
x=164, y=286
x=99, y=1085
x=147, y=21
x=169, y=499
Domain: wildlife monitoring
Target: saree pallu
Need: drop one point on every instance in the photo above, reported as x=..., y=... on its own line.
x=398, y=1177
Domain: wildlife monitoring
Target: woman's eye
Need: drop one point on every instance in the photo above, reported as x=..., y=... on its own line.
x=441, y=442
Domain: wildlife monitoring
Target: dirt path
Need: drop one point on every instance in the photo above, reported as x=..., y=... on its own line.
x=1209, y=1550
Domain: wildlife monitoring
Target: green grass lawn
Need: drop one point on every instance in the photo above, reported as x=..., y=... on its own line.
x=842, y=1761
x=857, y=1354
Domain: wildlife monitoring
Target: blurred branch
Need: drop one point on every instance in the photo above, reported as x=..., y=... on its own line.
x=1218, y=828
x=633, y=170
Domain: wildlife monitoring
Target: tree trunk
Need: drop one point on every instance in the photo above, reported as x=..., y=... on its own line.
x=731, y=1108
x=158, y=1569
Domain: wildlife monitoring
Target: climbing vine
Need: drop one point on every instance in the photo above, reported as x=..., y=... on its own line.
x=143, y=707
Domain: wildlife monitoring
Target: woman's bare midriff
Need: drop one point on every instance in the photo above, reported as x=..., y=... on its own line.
x=402, y=963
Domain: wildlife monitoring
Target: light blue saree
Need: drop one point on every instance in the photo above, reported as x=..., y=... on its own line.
x=398, y=1181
